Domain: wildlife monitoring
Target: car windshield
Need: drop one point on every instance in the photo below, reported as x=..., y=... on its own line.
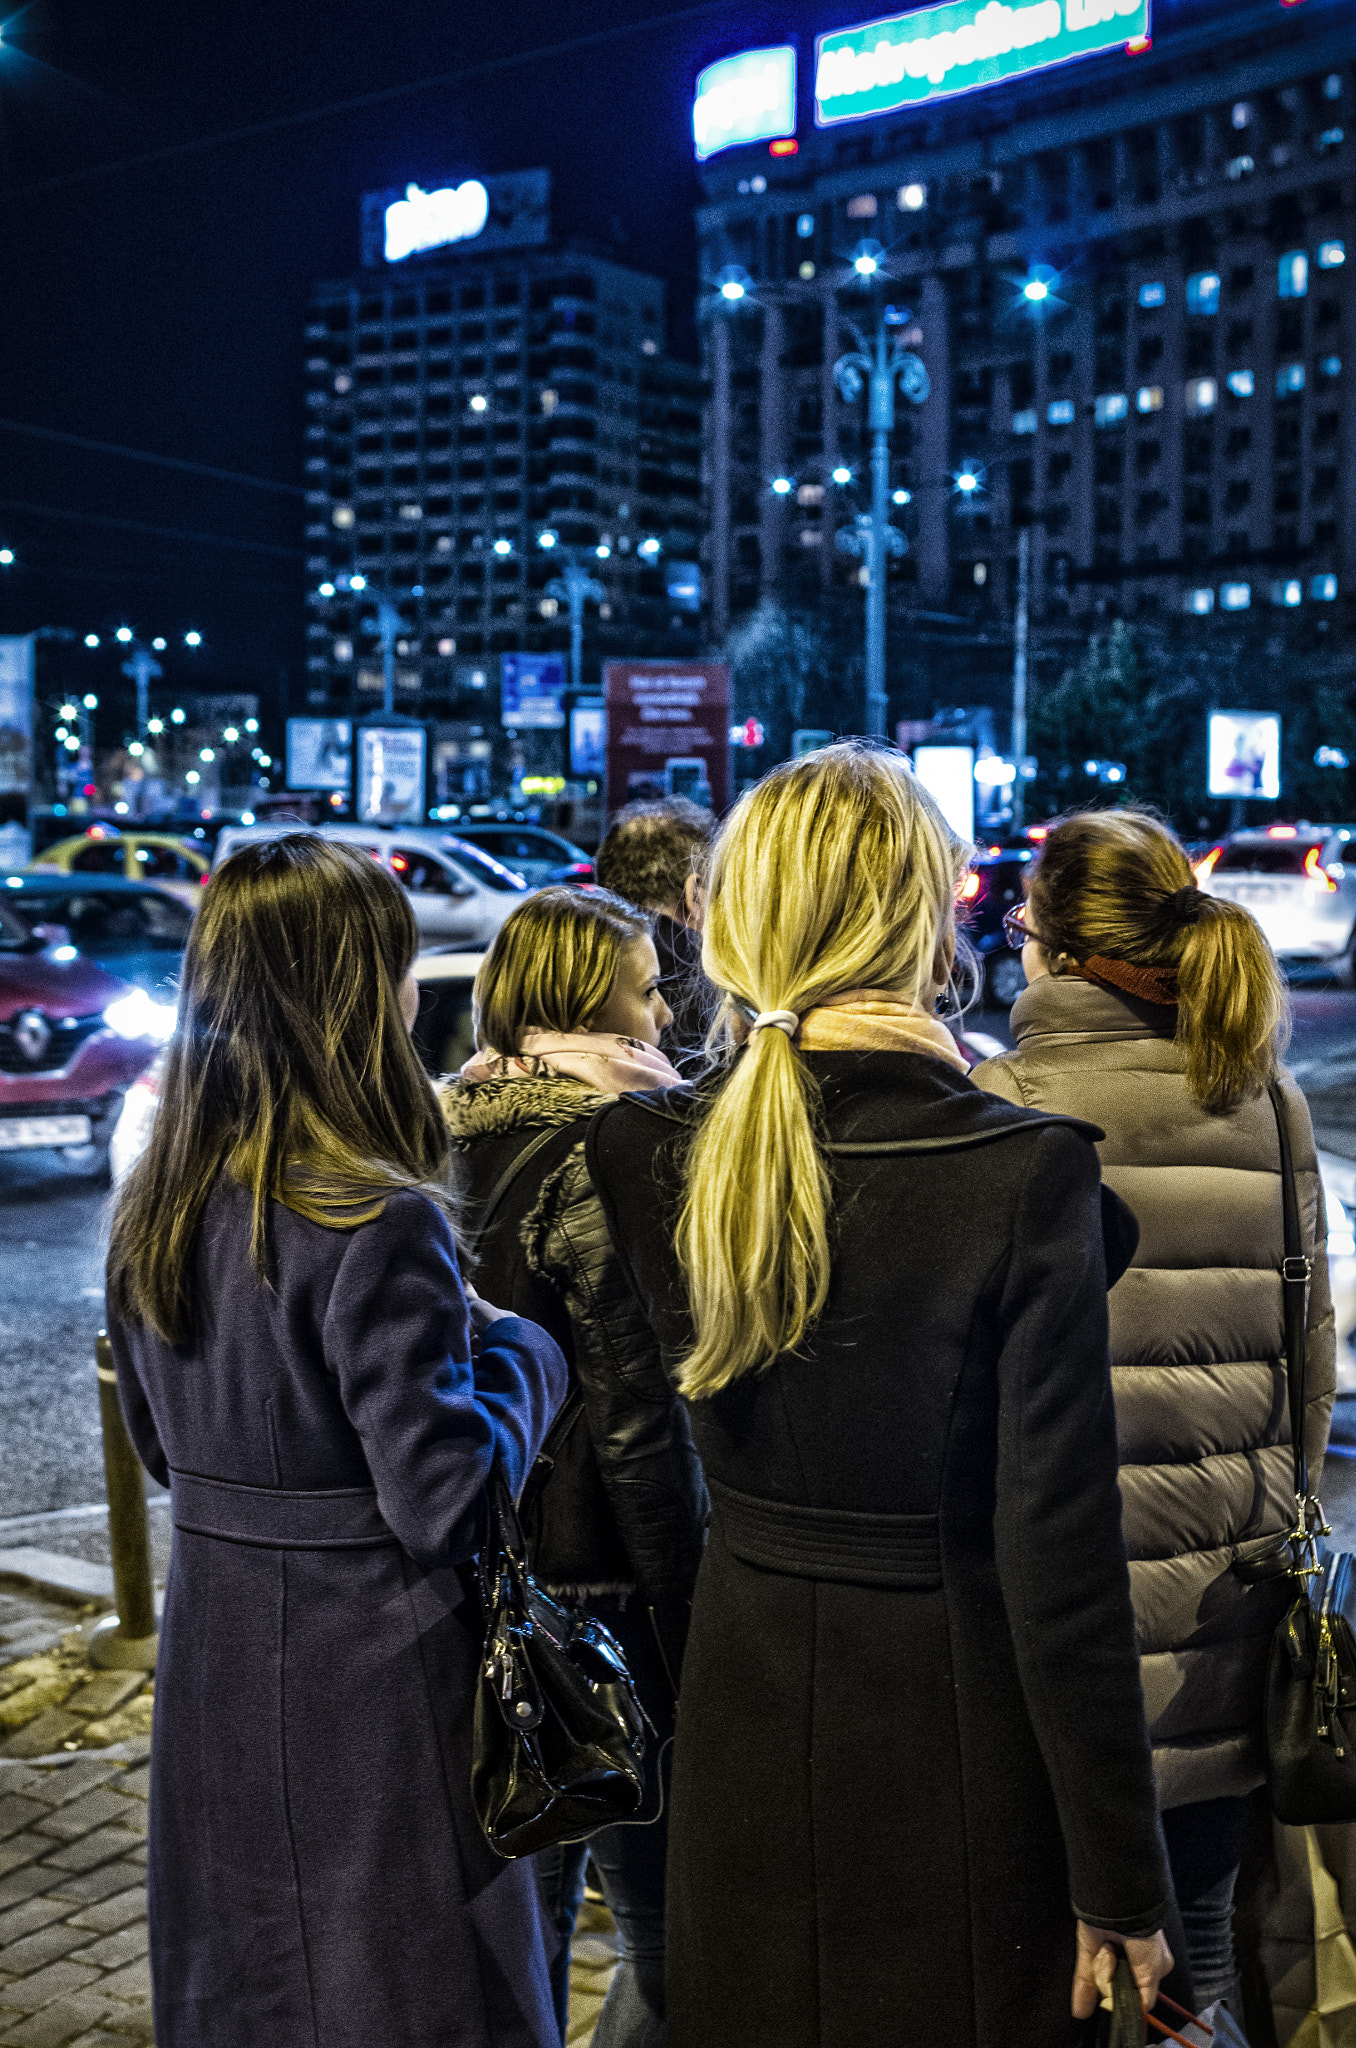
x=481, y=868
x=1266, y=857
x=113, y=920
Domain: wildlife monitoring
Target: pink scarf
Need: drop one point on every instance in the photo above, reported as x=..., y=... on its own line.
x=875, y=1020
x=607, y=1063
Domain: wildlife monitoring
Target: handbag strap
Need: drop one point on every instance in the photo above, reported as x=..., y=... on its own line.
x=1296, y=1269
x=570, y=1133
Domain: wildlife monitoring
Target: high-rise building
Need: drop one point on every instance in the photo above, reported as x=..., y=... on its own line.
x=1132, y=281
x=472, y=387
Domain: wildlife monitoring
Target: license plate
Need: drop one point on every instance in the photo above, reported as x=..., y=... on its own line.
x=20, y=1133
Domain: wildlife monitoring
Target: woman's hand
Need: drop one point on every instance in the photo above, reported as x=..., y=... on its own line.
x=1149, y=1958
x=483, y=1312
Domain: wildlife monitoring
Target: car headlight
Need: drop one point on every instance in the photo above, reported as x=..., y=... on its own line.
x=137, y=1016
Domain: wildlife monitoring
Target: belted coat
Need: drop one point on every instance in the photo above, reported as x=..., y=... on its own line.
x=911, y=1744
x=1197, y=1357
x=317, y=1877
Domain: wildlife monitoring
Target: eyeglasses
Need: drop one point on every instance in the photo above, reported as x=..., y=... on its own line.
x=1016, y=930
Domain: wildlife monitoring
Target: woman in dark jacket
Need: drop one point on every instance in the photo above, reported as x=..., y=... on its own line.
x=913, y=1800
x=298, y=1362
x=1156, y=1011
x=568, y=1015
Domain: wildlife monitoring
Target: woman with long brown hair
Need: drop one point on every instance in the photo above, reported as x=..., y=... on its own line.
x=298, y=1361
x=912, y=1798
x=1158, y=1013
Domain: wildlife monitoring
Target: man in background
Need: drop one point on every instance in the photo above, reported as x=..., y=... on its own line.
x=655, y=856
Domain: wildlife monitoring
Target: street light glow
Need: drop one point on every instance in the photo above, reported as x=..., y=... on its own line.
x=91, y=703
x=156, y=725
x=842, y=476
x=192, y=778
x=176, y=716
x=479, y=402
x=136, y=750
x=69, y=711
x=158, y=645
x=124, y=633
x=732, y=290
x=901, y=497
x=781, y=485
x=207, y=754
x=327, y=590
x=649, y=547
x=251, y=725
x=6, y=558
x=967, y=481
x=91, y=639
x=61, y=733
x=1035, y=289
x=866, y=265
x=191, y=639
x=546, y=540
x=502, y=546
x=230, y=735
x=603, y=551
x=357, y=583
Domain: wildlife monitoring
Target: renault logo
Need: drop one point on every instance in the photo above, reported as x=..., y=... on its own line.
x=32, y=1034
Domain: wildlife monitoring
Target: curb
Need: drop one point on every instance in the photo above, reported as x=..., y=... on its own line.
x=70, y=1579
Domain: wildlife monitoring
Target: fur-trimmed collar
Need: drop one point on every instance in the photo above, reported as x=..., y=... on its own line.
x=489, y=1109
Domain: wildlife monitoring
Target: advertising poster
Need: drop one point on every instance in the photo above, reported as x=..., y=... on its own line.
x=1245, y=754
x=319, y=753
x=391, y=774
x=948, y=774
x=16, y=748
x=668, y=731
x=532, y=692
x=588, y=740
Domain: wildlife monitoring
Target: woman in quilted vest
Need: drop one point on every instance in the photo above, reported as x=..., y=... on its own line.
x=1158, y=1013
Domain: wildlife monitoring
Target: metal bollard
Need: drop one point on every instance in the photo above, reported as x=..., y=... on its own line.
x=126, y=1640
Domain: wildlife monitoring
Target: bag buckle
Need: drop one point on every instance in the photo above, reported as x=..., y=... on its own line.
x=1297, y=1268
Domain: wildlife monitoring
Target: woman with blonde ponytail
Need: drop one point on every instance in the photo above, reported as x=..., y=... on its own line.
x=1158, y=1012
x=913, y=1799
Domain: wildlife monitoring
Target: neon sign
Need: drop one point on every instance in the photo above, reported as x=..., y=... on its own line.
x=744, y=99
x=880, y=66
x=430, y=220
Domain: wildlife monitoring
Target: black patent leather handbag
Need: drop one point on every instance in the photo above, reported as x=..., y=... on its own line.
x=1311, y=1674
x=558, y=1742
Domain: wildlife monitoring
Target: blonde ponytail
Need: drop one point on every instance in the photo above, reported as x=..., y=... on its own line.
x=1117, y=885
x=836, y=872
x=1233, y=1015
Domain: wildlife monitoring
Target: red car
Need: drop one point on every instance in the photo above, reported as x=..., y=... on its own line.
x=73, y=1038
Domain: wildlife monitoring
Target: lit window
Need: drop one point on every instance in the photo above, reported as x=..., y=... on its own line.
x=1240, y=167
x=863, y=207
x=1241, y=383
x=342, y=515
x=1149, y=398
x=1235, y=597
x=1286, y=593
x=1024, y=422
x=912, y=198
x=1331, y=255
x=807, y=271
x=1202, y=292
x=1202, y=394
x=446, y=647
x=1110, y=407
x=1289, y=379
x=1060, y=412
x=1242, y=114
x=1331, y=138
x=1323, y=589
x=805, y=226
x=810, y=494
x=1331, y=366
x=411, y=511
x=1199, y=601
x=1332, y=86
x=1153, y=294
x=1292, y=275
x=343, y=650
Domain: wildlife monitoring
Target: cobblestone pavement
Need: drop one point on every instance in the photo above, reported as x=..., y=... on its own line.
x=73, y=1965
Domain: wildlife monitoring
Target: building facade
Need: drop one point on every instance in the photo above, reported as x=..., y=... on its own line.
x=1132, y=280
x=461, y=400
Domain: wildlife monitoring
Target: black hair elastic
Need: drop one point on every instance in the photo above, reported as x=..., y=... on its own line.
x=1187, y=906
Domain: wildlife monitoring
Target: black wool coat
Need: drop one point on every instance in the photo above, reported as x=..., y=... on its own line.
x=911, y=1742
x=317, y=1876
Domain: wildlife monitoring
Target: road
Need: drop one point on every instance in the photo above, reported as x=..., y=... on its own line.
x=52, y=1229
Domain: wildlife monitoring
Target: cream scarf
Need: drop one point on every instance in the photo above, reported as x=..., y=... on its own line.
x=874, y=1020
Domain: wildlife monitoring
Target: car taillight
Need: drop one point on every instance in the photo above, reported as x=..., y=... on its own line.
x=971, y=888
x=1203, y=868
x=1316, y=873
x=399, y=863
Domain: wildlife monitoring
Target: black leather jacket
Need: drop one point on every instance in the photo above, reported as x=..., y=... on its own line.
x=617, y=1502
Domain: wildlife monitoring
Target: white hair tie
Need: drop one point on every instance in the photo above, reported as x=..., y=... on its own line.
x=776, y=1020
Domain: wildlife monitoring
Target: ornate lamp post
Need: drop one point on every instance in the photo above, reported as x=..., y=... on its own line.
x=573, y=588
x=877, y=368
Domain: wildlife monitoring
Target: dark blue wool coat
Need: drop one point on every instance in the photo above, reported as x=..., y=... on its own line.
x=317, y=1877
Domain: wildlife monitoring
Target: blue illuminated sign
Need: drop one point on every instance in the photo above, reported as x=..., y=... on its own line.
x=880, y=66
x=532, y=691
x=745, y=99
x=430, y=220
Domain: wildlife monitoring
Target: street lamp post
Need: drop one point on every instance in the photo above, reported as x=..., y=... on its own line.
x=877, y=368
x=574, y=587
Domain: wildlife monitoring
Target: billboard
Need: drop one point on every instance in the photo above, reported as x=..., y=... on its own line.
x=509, y=212
x=880, y=66
x=532, y=692
x=668, y=731
x=1245, y=754
x=948, y=775
x=319, y=753
x=588, y=740
x=744, y=99
x=16, y=748
x=391, y=774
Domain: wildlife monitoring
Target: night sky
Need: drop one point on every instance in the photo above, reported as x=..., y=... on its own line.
x=160, y=306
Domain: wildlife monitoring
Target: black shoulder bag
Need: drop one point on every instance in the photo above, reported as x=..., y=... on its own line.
x=1311, y=1678
x=558, y=1741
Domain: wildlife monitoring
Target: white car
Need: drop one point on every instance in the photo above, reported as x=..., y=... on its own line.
x=460, y=894
x=443, y=1037
x=1300, y=886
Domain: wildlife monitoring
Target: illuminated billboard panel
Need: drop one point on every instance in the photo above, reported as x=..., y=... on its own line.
x=881, y=66
x=745, y=99
x=1245, y=754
